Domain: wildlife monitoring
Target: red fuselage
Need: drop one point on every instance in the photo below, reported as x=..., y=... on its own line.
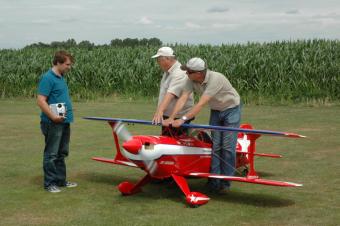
x=162, y=156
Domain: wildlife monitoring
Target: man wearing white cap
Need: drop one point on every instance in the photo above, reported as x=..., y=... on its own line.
x=171, y=88
x=224, y=102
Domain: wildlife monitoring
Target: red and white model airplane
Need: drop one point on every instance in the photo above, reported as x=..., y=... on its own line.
x=184, y=156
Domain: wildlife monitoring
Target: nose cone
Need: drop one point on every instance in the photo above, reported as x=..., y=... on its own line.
x=133, y=146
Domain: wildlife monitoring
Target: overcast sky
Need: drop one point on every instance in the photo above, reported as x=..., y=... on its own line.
x=23, y=22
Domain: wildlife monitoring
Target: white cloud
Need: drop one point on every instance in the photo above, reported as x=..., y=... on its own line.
x=292, y=11
x=41, y=21
x=192, y=25
x=325, y=21
x=217, y=9
x=68, y=20
x=225, y=25
x=145, y=20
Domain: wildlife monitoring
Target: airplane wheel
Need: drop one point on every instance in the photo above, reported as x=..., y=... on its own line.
x=195, y=199
x=127, y=188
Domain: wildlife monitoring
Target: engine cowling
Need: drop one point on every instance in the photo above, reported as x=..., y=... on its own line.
x=133, y=146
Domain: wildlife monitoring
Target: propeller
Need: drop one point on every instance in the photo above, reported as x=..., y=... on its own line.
x=133, y=146
x=122, y=132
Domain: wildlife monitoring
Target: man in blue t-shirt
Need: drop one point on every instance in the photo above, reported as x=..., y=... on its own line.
x=56, y=127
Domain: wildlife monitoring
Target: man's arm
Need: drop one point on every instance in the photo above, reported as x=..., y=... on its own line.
x=42, y=103
x=179, y=105
x=194, y=111
x=158, y=116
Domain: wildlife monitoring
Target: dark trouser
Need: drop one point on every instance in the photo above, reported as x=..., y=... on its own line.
x=175, y=132
x=57, y=138
x=224, y=145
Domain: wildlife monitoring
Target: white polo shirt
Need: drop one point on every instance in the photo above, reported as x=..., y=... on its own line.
x=173, y=81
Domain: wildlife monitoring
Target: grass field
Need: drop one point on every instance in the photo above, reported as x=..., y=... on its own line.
x=96, y=201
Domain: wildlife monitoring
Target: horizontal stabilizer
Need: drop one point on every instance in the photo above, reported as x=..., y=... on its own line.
x=247, y=180
x=268, y=155
x=112, y=161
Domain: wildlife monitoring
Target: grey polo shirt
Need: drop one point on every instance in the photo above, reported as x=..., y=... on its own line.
x=217, y=86
x=173, y=82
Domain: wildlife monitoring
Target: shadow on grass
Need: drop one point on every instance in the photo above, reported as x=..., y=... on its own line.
x=103, y=178
x=169, y=190
x=93, y=177
x=153, y=192
x=258, y=200
x=265, y=174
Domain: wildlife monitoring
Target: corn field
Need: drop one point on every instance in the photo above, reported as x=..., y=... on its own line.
x=292, y=71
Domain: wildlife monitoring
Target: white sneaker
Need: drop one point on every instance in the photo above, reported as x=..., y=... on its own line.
x=69, y=184
x=53, y=189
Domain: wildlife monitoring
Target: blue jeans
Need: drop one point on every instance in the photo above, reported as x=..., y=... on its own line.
x=224, y=145
x=57, y=138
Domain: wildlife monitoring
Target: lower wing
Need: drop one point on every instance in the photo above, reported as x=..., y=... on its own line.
x=246, y=179
x=113, y=161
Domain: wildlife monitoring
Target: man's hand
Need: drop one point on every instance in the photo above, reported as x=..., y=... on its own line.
x=42, y=103
x=168, y=122
x=157, y=118
x=177, y=123
x=58, y=119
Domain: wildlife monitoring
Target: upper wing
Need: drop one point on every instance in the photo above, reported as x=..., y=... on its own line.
x=207, y=127
x=247, y=180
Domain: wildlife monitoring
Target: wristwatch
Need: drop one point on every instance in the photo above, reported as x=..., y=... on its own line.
x=184, y=118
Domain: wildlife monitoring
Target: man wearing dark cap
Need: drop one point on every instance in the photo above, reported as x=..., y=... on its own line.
x=171, y=87
x=224, y=102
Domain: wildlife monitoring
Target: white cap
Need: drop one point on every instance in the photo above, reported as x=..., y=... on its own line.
x=195, y=64
x=164, y=51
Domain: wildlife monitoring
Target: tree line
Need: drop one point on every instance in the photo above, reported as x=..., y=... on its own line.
x=71, y=43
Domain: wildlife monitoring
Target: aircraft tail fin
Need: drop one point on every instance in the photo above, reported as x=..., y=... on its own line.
x=246, y=148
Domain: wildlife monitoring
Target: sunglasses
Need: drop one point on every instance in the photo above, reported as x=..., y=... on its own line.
x=190, y=72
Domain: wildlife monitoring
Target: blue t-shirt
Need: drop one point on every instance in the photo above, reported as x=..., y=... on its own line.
x=54, y=87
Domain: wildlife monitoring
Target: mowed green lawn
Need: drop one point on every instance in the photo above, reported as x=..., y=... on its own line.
x=96, y=201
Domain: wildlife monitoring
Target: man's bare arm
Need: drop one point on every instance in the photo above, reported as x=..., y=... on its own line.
x=179, y=105
x=158, y=116
x=194, y=111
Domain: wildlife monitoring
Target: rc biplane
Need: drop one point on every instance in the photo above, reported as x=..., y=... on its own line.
x=180, y=157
